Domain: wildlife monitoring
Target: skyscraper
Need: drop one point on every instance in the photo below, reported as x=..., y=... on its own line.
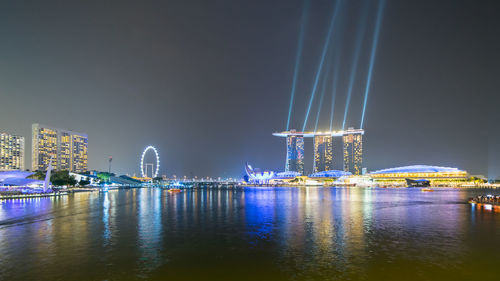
x=295, y=153
x=79, y=147
x=68, y=149
x=353, y=151
x=323, y=153
x=11, y=152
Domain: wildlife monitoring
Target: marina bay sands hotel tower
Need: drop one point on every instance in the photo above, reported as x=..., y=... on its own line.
x=323, y=150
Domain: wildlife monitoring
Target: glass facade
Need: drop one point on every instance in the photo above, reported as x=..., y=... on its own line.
x=323, y=153
x=295, y=154
x=353, y=152
x=11, y=152
x=79, y=147
x=64, y=159
x=44, y=148
x=68, y=149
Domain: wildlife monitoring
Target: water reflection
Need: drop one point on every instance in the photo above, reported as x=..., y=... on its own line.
x=262, y=233
x=149, y=229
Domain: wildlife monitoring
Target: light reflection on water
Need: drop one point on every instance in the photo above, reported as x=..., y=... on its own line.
x=247, y=234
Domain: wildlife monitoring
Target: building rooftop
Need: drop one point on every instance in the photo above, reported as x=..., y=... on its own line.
x=418, y=169
x=14, y=174
x=330, y=174
x=319, y=133
x=289, y=174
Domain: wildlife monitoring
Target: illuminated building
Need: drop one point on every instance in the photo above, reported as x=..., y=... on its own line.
x=67, y=149
x=330, y=174
x=417, y=172
x=79, y=152
x=18, y=178
x=64, y=151
x=287, y=175
x=295, y=154
x=256, y=176
x=323, y=153
x=323, y=149
x=44, y=148
x=353, y=151
x=11, y=152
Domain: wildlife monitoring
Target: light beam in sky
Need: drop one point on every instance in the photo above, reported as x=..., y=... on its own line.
x=357, y=50
x=322, y=60
x=297, y=59
x=380, y=12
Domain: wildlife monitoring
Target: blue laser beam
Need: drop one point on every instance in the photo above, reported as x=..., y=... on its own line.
x=354, y=67
x=336, y=70
x=334, y=86
x=298, y=58
x=380, y=13
x=320, y=67
x=322, y=95
x=332, y=105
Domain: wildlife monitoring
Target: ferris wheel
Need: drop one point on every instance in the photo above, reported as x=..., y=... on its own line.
x=143, y=170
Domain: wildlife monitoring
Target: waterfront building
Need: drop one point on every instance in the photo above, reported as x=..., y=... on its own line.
x=353, y=151
x=18, y=178
x=67, y=149
x=295, y=154
x=330, y=174
x=11, y=152
x=323, y=150
x=420, y=172
x=323, y=153
x=287, y=175
x=79, y=152
x=91, y=178
x=257, y=176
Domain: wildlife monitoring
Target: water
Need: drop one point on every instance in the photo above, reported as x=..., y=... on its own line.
x=251, y=234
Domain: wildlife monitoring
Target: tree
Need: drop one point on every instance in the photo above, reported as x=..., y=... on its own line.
x=38, y=175
x=83, y=182
x=59, y=178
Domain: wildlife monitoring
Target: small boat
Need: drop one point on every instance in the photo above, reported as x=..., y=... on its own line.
x=427, y=190
x=174, y=190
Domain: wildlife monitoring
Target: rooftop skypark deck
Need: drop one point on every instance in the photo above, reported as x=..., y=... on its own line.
x=309, y=134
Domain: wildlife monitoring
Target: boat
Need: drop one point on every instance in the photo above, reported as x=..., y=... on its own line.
x=174, y=190
x=427, y=190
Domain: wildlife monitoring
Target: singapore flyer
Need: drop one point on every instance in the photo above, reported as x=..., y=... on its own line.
x=143, y=171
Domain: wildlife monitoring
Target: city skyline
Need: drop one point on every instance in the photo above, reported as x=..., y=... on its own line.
x=121, y=81
x=12, y=152
x=65, y=149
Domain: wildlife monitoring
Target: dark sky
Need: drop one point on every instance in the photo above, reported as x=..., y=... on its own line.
x=207, y=82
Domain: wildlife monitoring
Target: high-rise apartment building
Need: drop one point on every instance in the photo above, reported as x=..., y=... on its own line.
x=295, y=153
x=323, y=153
x=67, y=149
x=353, y=151
x=11, y=152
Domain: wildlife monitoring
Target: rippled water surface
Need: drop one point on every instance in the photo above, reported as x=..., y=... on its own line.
x=251, y=234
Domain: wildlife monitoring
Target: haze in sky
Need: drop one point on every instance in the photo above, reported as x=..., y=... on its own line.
x=208, y=82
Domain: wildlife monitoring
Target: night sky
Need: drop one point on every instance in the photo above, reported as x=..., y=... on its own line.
x=207, y=82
